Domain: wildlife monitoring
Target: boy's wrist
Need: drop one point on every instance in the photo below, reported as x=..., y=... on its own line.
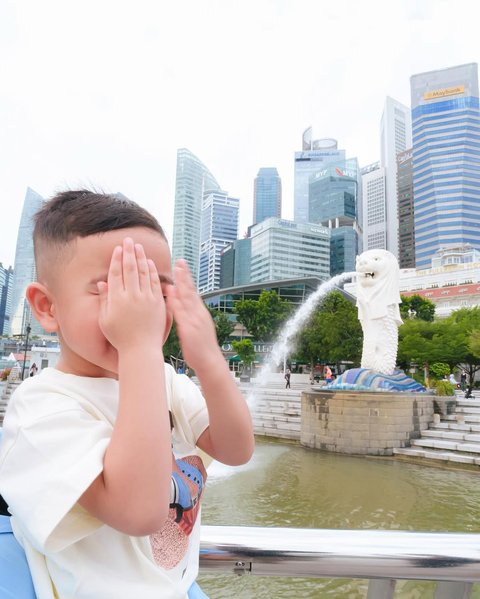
x=140, y=351
x=211, y=362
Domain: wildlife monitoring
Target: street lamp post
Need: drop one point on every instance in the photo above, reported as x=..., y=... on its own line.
x=28, y=329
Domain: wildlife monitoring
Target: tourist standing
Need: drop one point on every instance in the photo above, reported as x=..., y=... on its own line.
x=328, y=375
x=287, y=378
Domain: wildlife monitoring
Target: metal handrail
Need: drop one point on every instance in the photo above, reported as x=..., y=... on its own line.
x=382, y=556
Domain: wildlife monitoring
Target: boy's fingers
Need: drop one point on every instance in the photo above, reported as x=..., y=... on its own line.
x=129, y=265
x=183, y=275
x=154, y=281
x=144, y=278
x=115, y=275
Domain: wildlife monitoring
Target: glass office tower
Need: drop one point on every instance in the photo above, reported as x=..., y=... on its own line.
x=193, y=179
x=446, y=160
x=24, y=268
x=395, y=137
x=267, y=195
x=314, y=156
x=283, y=249
x=334, y=202
x=6, y=282
x=219, y=228
x=406, y=227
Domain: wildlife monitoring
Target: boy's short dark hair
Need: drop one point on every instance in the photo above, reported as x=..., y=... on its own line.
x=80, y=213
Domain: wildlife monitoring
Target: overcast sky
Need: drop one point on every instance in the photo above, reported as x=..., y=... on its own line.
x=103, y=92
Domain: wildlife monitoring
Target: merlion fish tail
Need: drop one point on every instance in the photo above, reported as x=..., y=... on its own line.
x=386, y=354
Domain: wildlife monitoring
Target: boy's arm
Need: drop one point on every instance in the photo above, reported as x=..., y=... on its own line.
x=132, y=493
x=229, y=437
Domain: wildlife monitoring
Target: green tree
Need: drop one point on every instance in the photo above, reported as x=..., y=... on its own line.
x=424, y=309
x=333, y=333
x=245, y=350
x=223, y=325
x=447, y=340
x=263, y=317
x=440, y=369
x=172, y=351
x=474, y=343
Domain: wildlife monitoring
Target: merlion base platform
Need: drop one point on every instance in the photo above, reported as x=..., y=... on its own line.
x=363, y=423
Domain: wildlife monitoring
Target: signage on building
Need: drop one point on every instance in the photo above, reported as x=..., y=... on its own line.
x=442, y=93
x=404, y=156
x=287, y=223
x=260, y=348
x=335, y=171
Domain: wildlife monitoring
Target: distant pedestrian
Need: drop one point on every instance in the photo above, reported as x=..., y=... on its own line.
x=452, y=380
x=33, y=369
x=287, y=378
x=463, y=380
x=328, y=375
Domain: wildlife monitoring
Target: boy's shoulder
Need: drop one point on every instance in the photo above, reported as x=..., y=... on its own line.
x=53, y=391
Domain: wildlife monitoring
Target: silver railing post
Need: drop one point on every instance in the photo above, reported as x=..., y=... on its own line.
x=453, y=590
x=381, y=589
x=383, y=557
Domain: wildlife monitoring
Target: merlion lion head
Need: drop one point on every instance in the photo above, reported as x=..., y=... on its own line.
x=377, y=283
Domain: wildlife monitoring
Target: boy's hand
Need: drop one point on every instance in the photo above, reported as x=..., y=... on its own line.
x=132, y=308
x=195, y=327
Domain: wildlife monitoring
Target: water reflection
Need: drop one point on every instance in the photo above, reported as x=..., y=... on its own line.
x=286, y=485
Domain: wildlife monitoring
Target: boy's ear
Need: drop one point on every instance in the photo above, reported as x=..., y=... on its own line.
x=41, y=303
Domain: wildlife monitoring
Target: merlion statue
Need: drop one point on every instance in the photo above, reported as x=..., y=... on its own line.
x=378, y=298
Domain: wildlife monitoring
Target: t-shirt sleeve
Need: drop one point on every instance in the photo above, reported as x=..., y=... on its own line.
x=46, y=468
x=189, y=408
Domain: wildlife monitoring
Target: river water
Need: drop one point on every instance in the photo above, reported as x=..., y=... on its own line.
x=290, y=486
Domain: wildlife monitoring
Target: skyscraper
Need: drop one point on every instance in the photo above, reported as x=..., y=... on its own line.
x=267, y=195
x=314, y=155
x=446, y=160
x=235, y=263
x=24, y=268
x=6, y=281
x=283, y=249
x=395, y=137
x=219, y=228
x=374, y=199
x=193, y=179
x=335, y=194
x=406, y=230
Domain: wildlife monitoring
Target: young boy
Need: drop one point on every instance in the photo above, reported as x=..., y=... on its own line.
x=89, y=465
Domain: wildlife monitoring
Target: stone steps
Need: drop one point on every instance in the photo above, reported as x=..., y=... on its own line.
x=454, y=440
x=276, y=412
x=456, y=426
x=451, y=435
x=452, y=457
x=463, y=417
x=446, y=444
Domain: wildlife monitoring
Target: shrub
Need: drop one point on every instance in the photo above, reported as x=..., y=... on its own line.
x=443, y=388
x=440, y=369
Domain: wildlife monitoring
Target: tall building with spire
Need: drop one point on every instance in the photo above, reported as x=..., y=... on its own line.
x=315, y=154
x=193, y=180
x=24, y=268
x=267, y=195
x=446, y=160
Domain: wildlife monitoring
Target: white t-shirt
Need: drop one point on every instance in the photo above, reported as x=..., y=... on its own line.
x=56, y=431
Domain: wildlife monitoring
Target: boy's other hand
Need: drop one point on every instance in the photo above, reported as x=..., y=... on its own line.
x=195, y=327
x=132, y=308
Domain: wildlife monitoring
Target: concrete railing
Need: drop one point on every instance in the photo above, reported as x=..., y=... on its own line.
x=383, y=557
